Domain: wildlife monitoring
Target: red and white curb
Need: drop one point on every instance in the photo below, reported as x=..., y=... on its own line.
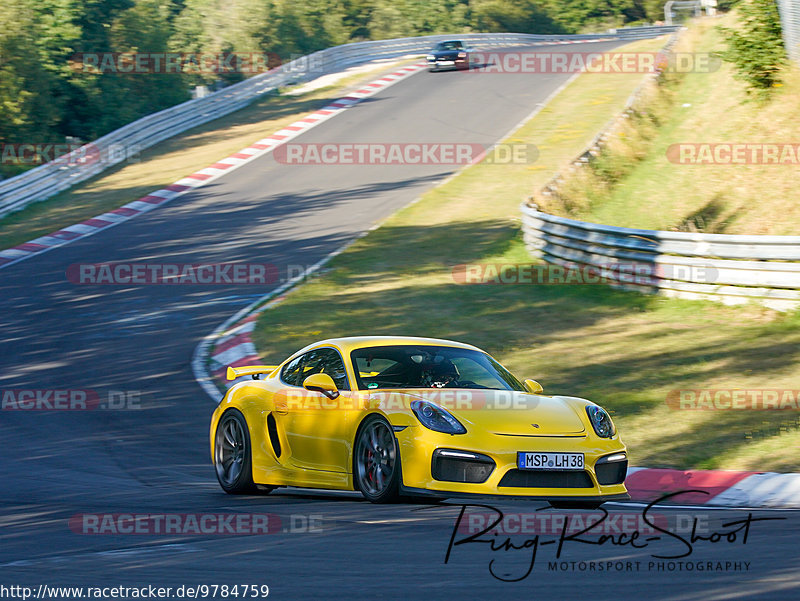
x=199, y=178
x=720, y=488
x=234, y=348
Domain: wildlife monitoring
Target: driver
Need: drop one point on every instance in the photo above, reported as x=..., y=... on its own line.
x=440, y=373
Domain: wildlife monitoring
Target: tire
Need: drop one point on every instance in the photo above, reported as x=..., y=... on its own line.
x=232, y=456
x=376, y=461
x=575, y=504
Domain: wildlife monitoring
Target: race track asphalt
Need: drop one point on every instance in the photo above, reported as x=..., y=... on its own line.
x=153, y=458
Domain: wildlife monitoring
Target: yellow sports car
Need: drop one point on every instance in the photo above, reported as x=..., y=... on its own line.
x=402, y=416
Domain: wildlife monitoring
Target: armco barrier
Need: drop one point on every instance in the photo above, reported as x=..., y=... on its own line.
x=790, y=26
x=49, y=179
x=733, y=269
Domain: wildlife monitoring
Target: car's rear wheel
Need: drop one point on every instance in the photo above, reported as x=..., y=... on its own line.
x=232, y=457
x=376, y=461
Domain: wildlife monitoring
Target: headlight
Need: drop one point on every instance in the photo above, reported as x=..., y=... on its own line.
x=430, y=57
x=601, y=421
x=435, y=418
x=462, y=54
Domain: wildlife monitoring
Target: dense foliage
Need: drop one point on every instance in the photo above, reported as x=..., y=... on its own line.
x=756, y=48
x=47, y=92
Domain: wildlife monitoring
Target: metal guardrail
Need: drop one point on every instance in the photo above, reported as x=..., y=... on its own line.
x=733, y=269
x=790, y=24
x=47, y=180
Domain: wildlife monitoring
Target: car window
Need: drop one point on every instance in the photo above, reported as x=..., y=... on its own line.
x=291, y=372
x=323, y=360
x=429, y=366
x=470, y=370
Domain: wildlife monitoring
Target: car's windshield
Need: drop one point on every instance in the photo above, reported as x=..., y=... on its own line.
x=427, y=366
x=449, y=46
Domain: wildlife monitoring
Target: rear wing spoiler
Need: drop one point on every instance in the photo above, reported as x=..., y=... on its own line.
x=250, y=370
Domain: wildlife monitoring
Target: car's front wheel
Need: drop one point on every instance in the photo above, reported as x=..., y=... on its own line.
x=232, y=458
x=376, y=462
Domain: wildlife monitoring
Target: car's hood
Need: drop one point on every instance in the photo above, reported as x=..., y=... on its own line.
x=496, y=411
x=446, y=53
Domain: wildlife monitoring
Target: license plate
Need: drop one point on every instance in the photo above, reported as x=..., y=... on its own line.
x=446, y=63
x=549, y=461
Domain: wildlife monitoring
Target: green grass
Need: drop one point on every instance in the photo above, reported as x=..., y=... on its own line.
x=731, y=199
x=621, y=349
x=169, y=161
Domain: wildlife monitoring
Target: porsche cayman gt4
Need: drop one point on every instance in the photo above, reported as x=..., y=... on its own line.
x=402, y=416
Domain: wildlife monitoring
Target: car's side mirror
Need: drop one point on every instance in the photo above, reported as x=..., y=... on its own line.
x=533, y=386
x=321, y=383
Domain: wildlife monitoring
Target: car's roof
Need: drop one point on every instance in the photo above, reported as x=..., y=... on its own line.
x=351, y=343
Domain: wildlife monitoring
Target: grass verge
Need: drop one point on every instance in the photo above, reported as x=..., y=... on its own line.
x=621, y=349
x=634, y=184
x=172, y=159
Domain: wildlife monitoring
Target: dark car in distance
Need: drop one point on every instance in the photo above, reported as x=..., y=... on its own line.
x=450, y=54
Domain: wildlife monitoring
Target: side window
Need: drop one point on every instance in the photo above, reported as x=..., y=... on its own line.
x=326, y=361
x=323, y=360
x=292, y=371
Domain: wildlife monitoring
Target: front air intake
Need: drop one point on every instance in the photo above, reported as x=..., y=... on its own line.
x=546, y=479
x=461, y=466
x=611, y=469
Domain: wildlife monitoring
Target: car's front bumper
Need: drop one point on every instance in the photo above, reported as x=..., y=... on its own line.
x=418, y=444
x=458, y=63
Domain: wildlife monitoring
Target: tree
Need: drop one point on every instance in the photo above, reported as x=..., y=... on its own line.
x=517, y=16
x=35, y=40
